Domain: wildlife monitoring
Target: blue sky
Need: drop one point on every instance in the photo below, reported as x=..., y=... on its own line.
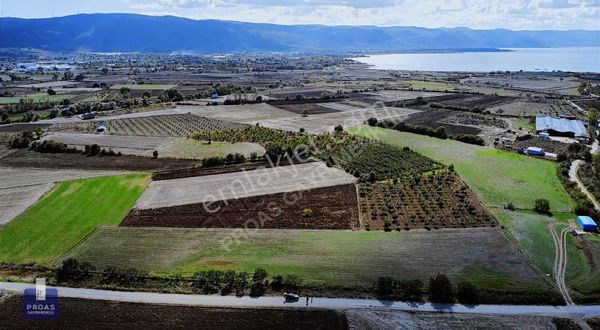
x=480, y=14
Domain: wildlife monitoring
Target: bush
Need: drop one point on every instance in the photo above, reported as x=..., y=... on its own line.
x=439, y=132
x=291, y=283
x=72, y=270
x=542, y=206
x=213, y=161
x=277, y=283
x=155, y=154
x=307, y=213
x=125, y=277
x=338, y=128
x=372, y=121
x=440, y=289
x=471, y=139
x=467, y=293
x=94, y=150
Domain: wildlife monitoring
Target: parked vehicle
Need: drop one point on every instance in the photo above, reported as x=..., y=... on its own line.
x=291, y=297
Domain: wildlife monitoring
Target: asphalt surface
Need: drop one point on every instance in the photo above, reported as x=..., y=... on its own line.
x=328, y=303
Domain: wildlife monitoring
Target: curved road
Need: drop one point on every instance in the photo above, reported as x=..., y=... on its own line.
x=330, y=303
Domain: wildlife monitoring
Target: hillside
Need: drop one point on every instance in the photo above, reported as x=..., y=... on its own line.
x=131, y=33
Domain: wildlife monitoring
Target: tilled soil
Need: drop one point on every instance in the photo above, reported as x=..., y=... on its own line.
x=333, y=207
x=97, y=314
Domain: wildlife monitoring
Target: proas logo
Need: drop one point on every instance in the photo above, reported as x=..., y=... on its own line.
x=41, y=302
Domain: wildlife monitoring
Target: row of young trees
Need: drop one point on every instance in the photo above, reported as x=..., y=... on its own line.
x=439, y=289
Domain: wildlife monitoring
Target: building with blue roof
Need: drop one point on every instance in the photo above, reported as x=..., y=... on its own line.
x=561, y=127
x=587, y=223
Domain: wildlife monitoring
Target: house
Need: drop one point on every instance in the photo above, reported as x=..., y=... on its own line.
x=555, y=126
x=587, y=223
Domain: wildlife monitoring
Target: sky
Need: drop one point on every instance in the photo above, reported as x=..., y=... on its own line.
x=477, y=14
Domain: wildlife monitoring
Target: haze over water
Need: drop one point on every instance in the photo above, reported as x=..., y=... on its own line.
x=584, y=59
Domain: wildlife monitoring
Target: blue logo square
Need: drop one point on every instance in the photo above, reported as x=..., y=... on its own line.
x=40, y=309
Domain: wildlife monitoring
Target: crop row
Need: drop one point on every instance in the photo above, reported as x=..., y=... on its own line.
x=438, y=200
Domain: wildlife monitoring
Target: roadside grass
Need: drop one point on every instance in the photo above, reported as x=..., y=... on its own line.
x=326, y=257
x=496, y=176
x=194, y=149
x=35, y=98
x=66, y=215
x=144, y=86
x=431, y=85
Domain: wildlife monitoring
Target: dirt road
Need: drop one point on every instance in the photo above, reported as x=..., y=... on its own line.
x=560, y=261
x=574, y=178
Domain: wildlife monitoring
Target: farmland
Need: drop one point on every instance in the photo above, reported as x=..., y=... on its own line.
x=144, y=86
x=21, y=188
x=163, y=125
x=497, y=177
x=333, y=207
x=80, y=313
x=439, y=200
x=467, y=102
x=24, y=158
x=65, y=215
x=382, y=161
x=194, y=149
x=34, y=98
x=481, y=255
x=207, y=189
x=534, y=106
x=431, y=85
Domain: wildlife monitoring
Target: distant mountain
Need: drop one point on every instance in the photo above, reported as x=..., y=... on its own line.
x=139, y=33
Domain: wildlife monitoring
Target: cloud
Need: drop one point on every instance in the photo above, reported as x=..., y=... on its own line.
x=557, y=4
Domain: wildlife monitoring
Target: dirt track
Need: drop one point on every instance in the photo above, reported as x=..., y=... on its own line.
x=560, y=261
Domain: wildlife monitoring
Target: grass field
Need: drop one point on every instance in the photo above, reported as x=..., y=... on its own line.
x=431, y=85
x=35, y=98
x=145, y=86
x=194, y=149
x=66, y=214
x=482, y=255
x=498, y=177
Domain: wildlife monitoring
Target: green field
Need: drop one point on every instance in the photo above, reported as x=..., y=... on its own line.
x=482, y=255
x=35, y=98
x=66, y=215
x=194, y=149
x=498, y=177
x=145, y=86
x=431, y=85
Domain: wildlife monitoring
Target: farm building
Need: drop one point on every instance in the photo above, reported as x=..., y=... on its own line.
x=555, y=126
x=535, y=151
x=587, y=223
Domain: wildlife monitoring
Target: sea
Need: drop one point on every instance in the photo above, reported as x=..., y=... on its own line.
x=580, y=59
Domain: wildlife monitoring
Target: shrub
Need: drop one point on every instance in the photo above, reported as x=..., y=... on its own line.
x=542, y=206
x=213, y=161
x=338, y=128
x=440, y=289
x=372, y=121
x=277, y=283
x=72, y=270
x=94, y=150
x=471, y=139
x=155, y=154
x=467, y=293
x=307, y=213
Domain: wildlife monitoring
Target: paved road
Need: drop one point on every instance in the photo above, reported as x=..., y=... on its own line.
x=330, y=303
